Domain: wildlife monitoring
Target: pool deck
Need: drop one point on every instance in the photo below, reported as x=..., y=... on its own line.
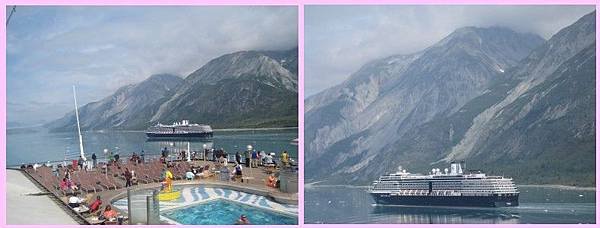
x=263, y=190
x=255, y=183
x=22, y=208
x=206, y=193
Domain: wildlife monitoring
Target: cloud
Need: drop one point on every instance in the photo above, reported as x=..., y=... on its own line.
x=100, y=49
x=340, y=39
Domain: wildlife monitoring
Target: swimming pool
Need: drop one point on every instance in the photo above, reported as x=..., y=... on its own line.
x=220, y=205
x=226, y=212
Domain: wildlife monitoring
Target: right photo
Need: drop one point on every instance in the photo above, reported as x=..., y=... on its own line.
x=450, y=114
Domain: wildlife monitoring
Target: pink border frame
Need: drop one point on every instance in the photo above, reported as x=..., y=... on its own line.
x=300, y=4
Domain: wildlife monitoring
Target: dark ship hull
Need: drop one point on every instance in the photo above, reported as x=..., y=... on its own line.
x=462, y=201
x=180, y=135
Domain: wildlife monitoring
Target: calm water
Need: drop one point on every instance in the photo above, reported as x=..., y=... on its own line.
x=221, y=212
x=38, y=145
x=339, y=204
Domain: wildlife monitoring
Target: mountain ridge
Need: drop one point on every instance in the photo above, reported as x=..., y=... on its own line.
x=417, y=143
x=410, y=77
x=248, y=80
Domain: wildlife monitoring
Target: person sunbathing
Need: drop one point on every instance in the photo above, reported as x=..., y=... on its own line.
x=272, y=181
x=69, y=185
x=189, y=175
x=64, y=184
x=109, y=213
x=73, y=186
x=75, y=201
x=95, y=206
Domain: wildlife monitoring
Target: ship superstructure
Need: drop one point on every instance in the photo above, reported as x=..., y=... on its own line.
x=448, y=188
x=180, y=129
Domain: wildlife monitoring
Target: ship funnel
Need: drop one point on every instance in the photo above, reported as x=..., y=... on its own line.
x=453, y=168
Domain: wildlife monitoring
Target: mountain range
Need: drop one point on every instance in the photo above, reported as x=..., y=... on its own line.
x=506, y=102
x=237, y=90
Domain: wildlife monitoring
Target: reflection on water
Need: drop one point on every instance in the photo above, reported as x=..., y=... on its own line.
x=440, y=215
x=346, y=204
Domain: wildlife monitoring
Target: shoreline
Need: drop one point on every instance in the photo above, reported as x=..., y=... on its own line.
x=317, y=185
x=256, y=129
x=558, y=186
x=215, y=129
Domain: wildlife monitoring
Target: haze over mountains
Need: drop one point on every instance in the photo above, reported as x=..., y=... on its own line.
x=509, y=103
x=242, y=89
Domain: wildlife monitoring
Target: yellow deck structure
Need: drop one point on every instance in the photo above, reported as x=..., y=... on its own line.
x=168, y=196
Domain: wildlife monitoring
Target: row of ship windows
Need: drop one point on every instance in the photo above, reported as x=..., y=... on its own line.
x=457, y=178
x=437, y=184
x=445, y=187
x=492, y=189
x=452, y=182
x=178, y=131
x=466, y=192
x=449, y=185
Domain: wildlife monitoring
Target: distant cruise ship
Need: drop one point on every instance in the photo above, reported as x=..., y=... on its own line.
x=181, y=129
x=452, y=188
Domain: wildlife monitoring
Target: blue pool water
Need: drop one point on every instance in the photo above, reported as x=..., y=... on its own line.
x=225, y=212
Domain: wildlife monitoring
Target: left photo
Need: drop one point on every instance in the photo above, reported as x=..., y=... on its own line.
x=152, y=115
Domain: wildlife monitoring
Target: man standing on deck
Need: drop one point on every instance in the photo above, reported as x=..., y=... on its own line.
x=238, y=157
x=247, y=157
x=205, y=154
x=254, y=163
x=94, y=160
x=128, y=176
x=142, y=156
x=285, y=158
x=164, y=152
x=80, y=163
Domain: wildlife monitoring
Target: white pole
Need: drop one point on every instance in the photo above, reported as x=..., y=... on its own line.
x=78, y=127
x=189, y=153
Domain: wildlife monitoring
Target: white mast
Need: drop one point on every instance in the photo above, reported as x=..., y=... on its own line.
x=78, y=127
x=189, y=153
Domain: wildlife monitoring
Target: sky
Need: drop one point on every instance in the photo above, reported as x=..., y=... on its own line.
x=102, y=48
x=340, y=39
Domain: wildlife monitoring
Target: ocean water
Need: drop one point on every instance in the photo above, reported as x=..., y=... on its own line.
x=38, y=145
x=348, y=204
